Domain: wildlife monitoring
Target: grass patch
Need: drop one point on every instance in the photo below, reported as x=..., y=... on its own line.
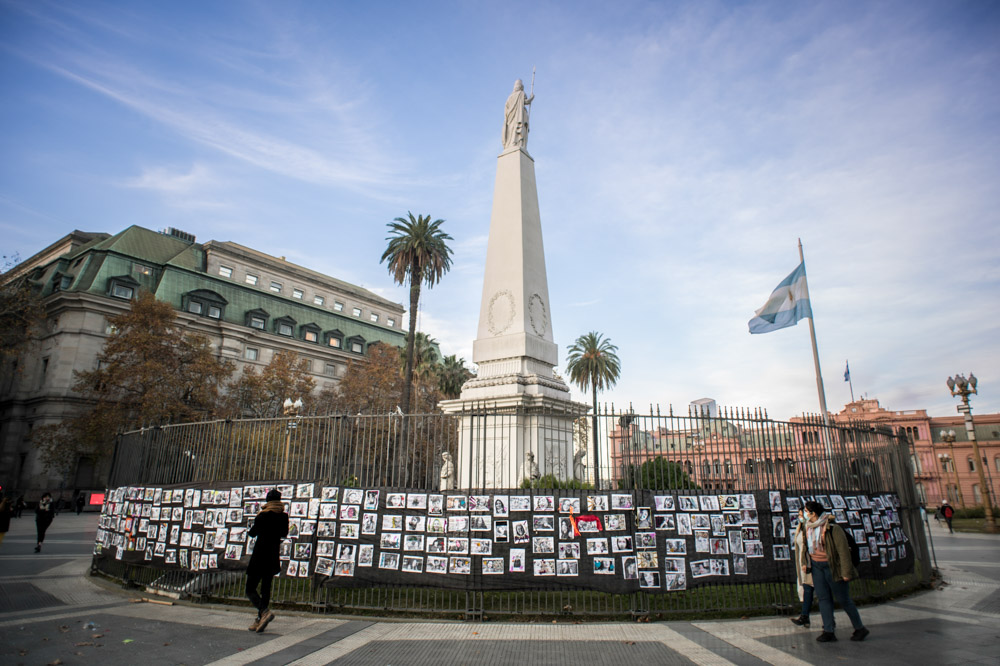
x=970, y=525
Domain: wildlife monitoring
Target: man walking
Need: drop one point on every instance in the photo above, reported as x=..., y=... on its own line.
x=948, y=514
x=269, y=527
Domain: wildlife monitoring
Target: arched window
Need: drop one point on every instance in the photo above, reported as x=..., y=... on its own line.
x=770, y=466
x=977, y=497
x=749, y=465
x=729, y=465
x=706, y=469
x=996, y=463
x=718, y=466
x=972, y=464
x=689, y=467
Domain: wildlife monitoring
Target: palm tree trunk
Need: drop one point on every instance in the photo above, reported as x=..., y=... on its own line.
x=402, y=452
x=597, y=455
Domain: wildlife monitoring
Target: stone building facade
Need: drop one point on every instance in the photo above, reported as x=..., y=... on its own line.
x=250, y=305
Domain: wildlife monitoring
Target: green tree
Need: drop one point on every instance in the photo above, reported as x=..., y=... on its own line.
x=149, y=373
x=261, y=394
x=417, y=253
x=592, y=362
x=21, y=311
x=425, y=362
x=658, y=474
x=452, y=375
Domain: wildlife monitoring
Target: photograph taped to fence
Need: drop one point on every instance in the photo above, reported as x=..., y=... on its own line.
x=404, y=538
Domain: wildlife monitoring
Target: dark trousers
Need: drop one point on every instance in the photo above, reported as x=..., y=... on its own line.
x=41, y=528
x=948, y=520
x=260, y=601
x=827, y=587
x=807, y=599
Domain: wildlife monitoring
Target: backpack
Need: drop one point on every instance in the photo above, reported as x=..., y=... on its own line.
x=853, y=545
x=947, y=511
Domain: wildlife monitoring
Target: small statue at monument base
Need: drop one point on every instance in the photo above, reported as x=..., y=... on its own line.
x=530, y=469
x=447, y=473
x=578, y=466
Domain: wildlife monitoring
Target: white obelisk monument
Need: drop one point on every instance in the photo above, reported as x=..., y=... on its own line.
x=516, y=405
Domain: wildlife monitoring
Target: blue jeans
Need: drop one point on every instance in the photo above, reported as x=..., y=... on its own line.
x=826, y=588
x=807, y=600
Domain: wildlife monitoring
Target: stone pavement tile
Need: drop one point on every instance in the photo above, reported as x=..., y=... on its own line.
x=716, y=645
x=149, y=641
x=340, y=631
x=919, y=641
x=23, y=596
x=525, y=653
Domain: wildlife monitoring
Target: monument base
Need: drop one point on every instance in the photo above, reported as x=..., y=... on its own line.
x=503, y=419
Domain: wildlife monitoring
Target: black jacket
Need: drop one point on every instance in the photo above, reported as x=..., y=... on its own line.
x=270, y=527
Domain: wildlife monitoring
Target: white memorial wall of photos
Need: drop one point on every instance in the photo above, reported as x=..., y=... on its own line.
x=617, y=541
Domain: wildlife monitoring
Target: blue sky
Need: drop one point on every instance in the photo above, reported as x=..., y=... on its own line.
x=681, y=150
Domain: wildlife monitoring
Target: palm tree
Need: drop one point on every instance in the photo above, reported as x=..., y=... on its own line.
x=452, y=376
x=425, y=360
x=592, y=362
x=417, y=253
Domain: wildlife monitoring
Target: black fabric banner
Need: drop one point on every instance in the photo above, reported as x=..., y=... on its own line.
x=614, y=541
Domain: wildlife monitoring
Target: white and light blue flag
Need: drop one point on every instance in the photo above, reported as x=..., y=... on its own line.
x=789, y=302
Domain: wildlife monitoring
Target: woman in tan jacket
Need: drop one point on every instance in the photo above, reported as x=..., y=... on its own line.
x=803, y=572
x=832, y=570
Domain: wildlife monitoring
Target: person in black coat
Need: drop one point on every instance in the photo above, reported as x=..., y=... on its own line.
x=43, y=518
x=270, y=527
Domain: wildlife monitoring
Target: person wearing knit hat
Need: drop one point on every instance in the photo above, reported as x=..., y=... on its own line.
x=270, y=527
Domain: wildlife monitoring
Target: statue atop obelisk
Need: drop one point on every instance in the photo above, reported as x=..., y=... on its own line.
x=514, y=346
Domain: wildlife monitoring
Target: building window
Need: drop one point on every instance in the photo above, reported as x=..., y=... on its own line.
x=203, y=302
x=257, y=319
x=972, y=464
x=319, y=300
x=309, y=332
x=357, y=347
x=226, y=271
x=330, y=370
x=374, y=317
x=336, y=343
x=356, y=312
x=284, y=328
x=275, y=287
x=977, y=497
x=311, y=336
x=251, y=279
x=122, y=287
x=65, y=282
x=297, y=293
x=996, y=463
x=122, y=291
x=110, y=328
x=141, y=269
x=251, y=354
x=390, y=322
x=338, y=306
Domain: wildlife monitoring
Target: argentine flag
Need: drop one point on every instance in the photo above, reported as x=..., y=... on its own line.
x=788, y=303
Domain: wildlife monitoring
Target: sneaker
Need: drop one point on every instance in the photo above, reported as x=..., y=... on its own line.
x=256, y=623
x=264, y=621
x=827, y=637
x=860, y=634
x=802, y=621
x=38, y=548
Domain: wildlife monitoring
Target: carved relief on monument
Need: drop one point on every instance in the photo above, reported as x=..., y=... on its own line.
x=538, y=314
x=501, y=312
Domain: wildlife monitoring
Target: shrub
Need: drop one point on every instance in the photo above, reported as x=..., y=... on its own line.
x=550, y=481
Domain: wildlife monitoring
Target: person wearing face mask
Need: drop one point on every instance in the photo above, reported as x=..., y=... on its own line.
x=803, y=571
x=832, y=569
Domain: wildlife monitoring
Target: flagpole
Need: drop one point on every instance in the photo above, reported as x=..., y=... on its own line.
x=819, y=375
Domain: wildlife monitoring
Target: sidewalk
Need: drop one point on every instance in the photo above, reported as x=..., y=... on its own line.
x=50, y=609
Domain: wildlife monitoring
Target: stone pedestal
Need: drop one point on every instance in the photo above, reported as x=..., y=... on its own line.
x=515, y=404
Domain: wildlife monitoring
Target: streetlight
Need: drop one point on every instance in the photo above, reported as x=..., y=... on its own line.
x=948, y=436
x=290, y=409
x=963, y=387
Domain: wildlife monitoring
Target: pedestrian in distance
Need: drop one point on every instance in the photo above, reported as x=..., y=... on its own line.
x=948, y=514
x=832, y=571
x=6, y=512
x=803, y=571
x=44, y=514
x=269, y=527
x=19, y=506
x=79, y=503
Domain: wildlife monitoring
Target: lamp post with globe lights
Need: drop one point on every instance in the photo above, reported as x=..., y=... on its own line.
x=960, y=386
x=948, y=437
x=290, y=409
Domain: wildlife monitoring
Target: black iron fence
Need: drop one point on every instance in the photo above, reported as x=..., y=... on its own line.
x=497, y=453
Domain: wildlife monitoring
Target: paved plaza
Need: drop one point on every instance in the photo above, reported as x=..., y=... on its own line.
x=52, y=612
